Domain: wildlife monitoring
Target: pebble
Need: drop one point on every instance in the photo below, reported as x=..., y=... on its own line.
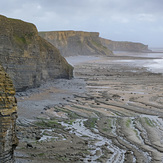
x=98, y=153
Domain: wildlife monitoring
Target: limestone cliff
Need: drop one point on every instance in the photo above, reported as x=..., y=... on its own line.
x=28, y=58
x=71, y=43
x=8, y=114
x=124, y=46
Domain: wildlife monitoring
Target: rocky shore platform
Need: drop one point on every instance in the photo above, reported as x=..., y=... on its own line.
x=111, y=111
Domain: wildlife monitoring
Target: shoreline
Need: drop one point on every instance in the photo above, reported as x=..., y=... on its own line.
x=119, y=101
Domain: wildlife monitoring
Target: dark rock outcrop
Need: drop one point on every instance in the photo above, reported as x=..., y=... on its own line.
x=124, y=46
x=72, y=43
x=8, y=115
x=28, y=58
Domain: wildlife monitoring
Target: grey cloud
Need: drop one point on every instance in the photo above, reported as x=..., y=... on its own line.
x=137, y=20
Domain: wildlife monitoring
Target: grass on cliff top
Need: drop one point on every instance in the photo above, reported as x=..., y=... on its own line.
x=19, y=21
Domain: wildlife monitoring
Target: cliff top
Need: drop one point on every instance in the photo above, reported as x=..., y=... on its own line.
x=71, y=32
x=121, y=42
x=19, y=27
x=29, y=59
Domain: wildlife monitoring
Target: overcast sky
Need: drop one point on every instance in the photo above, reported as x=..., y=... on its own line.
x=120, y=20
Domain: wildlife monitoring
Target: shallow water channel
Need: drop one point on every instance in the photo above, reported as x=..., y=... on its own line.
x=117, y=154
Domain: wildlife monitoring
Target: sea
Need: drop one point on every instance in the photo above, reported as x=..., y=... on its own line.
x=153, y=61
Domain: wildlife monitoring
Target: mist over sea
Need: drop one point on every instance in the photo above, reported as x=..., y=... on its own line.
x=153, y=63
x=157, y=64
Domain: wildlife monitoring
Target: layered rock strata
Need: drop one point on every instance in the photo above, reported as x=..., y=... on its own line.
x=28, y=58
x=8, y=115
x=124, y=46
x=72, y=43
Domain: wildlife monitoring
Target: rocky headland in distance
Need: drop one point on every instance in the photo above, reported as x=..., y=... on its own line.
x=73, y=43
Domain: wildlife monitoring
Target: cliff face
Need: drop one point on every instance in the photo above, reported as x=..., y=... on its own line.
x=8, y=114
x=124, y=46
x=72, y=43
x=28, y=58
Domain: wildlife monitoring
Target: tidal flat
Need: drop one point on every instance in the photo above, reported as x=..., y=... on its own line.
x=111, y=111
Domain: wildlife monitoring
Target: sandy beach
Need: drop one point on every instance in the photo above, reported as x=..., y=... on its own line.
x=111, y=111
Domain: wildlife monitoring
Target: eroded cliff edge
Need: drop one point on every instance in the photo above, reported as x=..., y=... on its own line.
x=124, y=46
x=8, y=115
x=72, y=43
x=29, y=59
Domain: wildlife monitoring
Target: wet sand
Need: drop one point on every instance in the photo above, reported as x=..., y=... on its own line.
x=110, y=112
